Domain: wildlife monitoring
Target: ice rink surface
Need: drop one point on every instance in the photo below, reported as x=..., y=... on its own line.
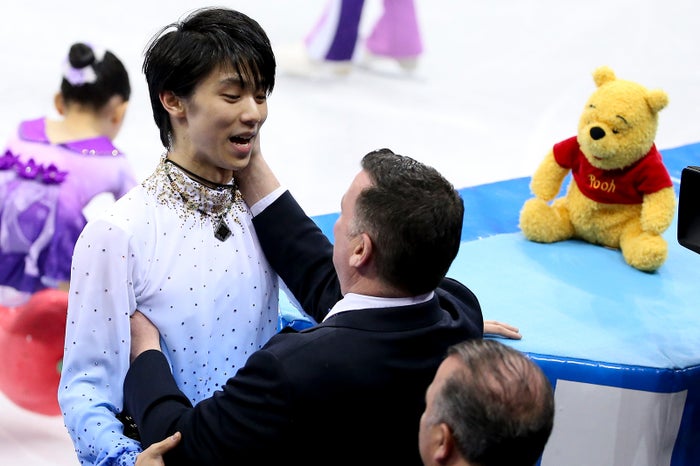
x=500, y=81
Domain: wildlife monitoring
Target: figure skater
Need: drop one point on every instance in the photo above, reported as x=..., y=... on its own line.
x=52, y=168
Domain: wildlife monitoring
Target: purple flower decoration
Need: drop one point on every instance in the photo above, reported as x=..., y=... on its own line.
x=8, y=160
x=29, y=170
x=52, y=175
x=32, y=170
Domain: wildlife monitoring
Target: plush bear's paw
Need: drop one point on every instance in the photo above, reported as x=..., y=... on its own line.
x=646, y=252
x=542, y=223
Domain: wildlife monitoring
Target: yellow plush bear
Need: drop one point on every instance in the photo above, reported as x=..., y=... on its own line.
x=620, y=195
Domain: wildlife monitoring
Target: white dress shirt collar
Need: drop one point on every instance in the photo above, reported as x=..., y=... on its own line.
x=353, y=301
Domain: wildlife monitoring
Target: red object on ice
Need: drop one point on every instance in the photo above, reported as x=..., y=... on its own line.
x=31, y=351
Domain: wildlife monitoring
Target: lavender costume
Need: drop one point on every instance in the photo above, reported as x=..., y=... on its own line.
x=44, y=188
x=395, y=34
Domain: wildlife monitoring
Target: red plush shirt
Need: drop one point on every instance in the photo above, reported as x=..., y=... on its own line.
x=622, y=186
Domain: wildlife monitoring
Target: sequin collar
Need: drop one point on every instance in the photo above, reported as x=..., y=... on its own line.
x=188, y=198
x=196, y=196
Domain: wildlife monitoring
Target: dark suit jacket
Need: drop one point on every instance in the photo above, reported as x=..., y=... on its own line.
x=349, y=391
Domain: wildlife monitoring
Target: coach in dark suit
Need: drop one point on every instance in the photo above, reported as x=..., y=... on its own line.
x=350, y=390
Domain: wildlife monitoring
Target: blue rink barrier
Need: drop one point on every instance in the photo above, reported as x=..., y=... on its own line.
x=680, y=444
x=625, y=343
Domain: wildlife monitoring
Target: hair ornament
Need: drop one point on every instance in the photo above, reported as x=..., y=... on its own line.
x=78, y=76
x=85, y=75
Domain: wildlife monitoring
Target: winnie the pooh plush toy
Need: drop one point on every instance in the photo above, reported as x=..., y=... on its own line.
x=620, y=195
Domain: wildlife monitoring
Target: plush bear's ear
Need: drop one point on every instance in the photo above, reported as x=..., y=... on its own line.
x=657, y=100
x=602, y=75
